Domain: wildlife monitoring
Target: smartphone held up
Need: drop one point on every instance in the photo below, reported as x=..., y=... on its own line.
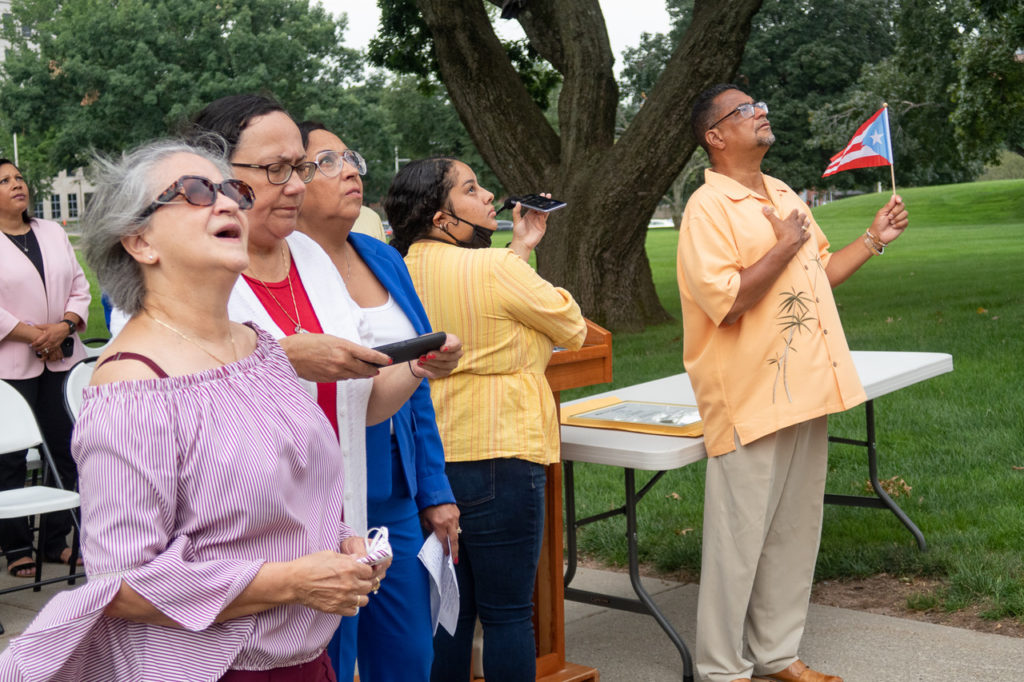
x=534, y=202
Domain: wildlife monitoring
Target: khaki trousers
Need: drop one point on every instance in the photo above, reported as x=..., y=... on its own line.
x=762, y=526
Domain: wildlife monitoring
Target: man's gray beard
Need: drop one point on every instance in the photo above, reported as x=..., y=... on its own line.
x=766, y=141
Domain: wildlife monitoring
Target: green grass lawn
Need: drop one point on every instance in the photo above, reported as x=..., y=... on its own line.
x=953, y=284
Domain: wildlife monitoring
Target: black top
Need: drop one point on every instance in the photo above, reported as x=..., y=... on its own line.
x=29, y=245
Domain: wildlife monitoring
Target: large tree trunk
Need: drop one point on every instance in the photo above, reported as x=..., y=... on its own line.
x=595, y=246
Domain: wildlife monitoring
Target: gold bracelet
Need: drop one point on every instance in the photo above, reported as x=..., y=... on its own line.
x=876, y=246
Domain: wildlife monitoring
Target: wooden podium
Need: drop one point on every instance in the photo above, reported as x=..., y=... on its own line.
x=591, y=364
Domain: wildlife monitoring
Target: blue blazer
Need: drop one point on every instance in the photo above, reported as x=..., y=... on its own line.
x=419, y=443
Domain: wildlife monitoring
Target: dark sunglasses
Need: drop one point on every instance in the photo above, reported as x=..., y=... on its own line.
x=200, y=191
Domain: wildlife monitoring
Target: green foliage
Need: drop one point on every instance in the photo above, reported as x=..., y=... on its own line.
x=915, y=81
x=426, y=124
x=1007, y=166
x=404, y=45
x=73, y=90
x=952, y=284
x=955, y=90
x=30, y=161
x=106, y=76
x=989, y=90
x=643, y=64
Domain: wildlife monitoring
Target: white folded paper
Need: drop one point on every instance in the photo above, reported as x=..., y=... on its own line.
x=444, y=589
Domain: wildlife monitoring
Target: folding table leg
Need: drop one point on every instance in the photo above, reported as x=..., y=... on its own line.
x=881, y=500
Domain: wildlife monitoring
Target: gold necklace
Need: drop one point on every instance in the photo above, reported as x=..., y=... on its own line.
x=23, y=245
x=234, y=351
x=348, y=263
x=297, y=320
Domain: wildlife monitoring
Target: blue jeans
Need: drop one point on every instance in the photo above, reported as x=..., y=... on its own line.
x=502, y=506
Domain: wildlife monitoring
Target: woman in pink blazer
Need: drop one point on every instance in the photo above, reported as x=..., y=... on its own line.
x=44, y=301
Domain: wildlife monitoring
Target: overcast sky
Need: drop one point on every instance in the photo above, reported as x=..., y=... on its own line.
x=626, y=20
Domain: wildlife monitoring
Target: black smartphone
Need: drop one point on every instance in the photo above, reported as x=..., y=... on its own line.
x=539, y=203
x=410, y=349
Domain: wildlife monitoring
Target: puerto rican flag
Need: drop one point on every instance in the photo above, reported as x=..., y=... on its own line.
x=870, y=146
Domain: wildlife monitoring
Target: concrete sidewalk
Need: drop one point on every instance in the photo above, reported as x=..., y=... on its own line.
x=628, y=647
x=858, y=646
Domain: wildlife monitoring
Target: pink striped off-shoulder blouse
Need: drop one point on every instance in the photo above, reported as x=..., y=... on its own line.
x=188, y=485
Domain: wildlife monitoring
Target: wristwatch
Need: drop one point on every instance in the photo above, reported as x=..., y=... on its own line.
x=71, y=326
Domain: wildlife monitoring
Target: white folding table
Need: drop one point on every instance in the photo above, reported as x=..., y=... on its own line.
x=880, y=372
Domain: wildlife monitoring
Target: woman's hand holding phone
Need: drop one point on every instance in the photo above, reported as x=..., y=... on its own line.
x=438, y=364
x=528, y=229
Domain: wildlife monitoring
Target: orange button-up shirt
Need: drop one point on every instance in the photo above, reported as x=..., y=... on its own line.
x=785, y=360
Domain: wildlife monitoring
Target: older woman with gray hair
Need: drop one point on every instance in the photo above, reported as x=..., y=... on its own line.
x=211, y=483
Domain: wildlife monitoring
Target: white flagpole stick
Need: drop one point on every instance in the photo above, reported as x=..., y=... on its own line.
x=892, y=164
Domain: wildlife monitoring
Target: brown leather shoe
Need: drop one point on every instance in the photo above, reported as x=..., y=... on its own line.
x=799, y=672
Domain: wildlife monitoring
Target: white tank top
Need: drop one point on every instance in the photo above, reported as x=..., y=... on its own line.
x=388, y=323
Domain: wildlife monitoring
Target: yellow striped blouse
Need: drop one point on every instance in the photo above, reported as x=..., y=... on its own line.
x=497, y=403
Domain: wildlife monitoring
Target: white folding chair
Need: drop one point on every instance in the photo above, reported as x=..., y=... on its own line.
x=19, y=430
x=95, y=346
x=75, y=381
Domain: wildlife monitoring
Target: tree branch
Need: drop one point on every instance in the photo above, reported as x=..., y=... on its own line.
x=488, y=93
x=709, y=52
x=572, y=36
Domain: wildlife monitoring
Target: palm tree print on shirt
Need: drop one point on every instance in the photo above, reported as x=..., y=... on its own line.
x=794, y=314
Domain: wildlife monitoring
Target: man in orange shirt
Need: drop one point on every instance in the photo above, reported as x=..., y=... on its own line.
x=768, y=359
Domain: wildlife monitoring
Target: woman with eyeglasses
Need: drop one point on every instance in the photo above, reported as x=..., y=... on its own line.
x=212, y=485
x=495, y=412
x=44, y=302
x=292, y=289
x=406, y=483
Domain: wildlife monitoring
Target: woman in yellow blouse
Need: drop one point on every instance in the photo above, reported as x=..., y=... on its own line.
x=495, y=412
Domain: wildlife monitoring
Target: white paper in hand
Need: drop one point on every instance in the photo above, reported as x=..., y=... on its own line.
x=444, y=589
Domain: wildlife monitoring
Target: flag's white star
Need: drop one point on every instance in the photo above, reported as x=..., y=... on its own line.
x=876, y=137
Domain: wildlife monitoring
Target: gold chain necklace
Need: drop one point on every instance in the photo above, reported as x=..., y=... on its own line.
x=234, y=351
x=348, y=263
x=297, y=320
x=23, y=245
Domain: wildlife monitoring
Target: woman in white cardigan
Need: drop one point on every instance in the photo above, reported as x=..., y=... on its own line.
x=44, y=302
x=292, y=289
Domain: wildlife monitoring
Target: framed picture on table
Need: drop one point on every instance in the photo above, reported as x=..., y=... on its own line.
x=667, y=419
